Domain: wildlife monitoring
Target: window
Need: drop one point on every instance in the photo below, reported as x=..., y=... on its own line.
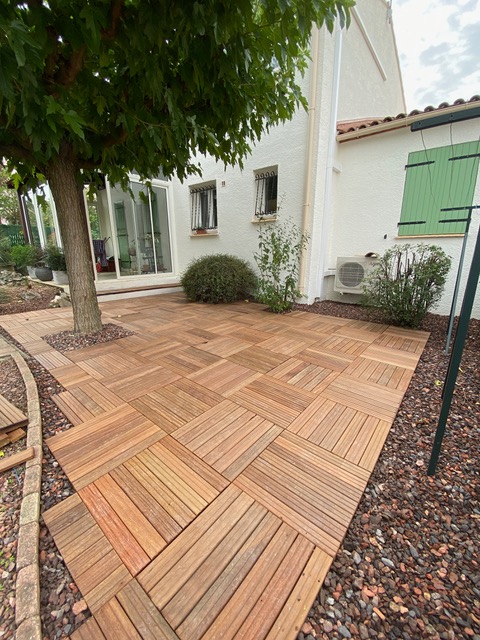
x=203, y=201
x=439, y=188
x=266, y=187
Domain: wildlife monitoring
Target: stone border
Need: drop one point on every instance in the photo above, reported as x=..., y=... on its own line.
x=27, y=599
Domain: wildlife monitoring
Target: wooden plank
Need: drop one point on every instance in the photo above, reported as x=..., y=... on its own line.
x=17, y=459
x=210, y=605
x=115, y=623
x=290, y=620
x=10, y=415
x=161, y=565
x=139, y=493
x=144, y=615
x=88, y=631
x=14, y=435
x=249, y=591
x=138, y=525
x=120, y=537
x=212, y=567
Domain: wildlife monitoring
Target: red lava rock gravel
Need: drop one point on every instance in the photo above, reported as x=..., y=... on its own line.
x=409, y=565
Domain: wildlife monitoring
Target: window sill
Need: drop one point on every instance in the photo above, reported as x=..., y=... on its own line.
x=433, y=235
x=208, y=233
x=264, y=219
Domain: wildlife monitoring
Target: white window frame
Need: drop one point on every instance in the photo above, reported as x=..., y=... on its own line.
x=203, y=208
x=266, y=186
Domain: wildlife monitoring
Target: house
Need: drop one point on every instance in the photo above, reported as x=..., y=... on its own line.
x=342, y=185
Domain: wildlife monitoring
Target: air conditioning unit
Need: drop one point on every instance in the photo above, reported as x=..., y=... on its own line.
x=351, y=273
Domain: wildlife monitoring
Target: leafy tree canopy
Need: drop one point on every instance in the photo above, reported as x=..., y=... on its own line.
x=145, y=85
x=110, y=86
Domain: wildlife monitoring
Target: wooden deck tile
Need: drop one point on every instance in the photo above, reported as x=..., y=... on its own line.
x=368, y=397
x=397, y=357
x=188, y=360
x=322, y=357
x=52, y=359
x=227, y=437
x=84, y=402
x=95, y=567
x=223, y=346
x=258, y=359
x=274, y=400
x=99, y=445
x=382, y=373
x=313, y=490
x=71, y=376
x=177, y=403
x=285, y=344
x=10, y=415
x=133, y=383
x=341, y=344
x=224, y=377
x=304, y=375
x=108, y=365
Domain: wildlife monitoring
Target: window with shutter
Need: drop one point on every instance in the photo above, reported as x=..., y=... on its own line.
x=439, y=188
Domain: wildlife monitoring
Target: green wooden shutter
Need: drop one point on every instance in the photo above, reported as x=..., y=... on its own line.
x=436, y=179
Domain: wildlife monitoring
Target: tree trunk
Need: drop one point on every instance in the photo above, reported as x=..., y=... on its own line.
x=67, y=189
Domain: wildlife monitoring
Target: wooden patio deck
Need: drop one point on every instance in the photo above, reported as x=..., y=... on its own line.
x=218, y=455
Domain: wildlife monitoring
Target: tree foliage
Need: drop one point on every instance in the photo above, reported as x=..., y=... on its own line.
x=115, y=85
x=9, y=209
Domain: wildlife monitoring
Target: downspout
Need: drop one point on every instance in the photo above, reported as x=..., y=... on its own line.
x=307, y=189
x=307, y=208
x=330, y=168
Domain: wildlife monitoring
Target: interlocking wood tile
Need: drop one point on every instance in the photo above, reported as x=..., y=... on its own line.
x=86, y=401
x=188, y=360
x=97, y=446
x=322, y=357
x=258, y=359
x=223, y=346
x=373, y=399
x=177, y=403
x=224, y=377
x=312, y=490
x=227, y=437
x=273, y=399
x=304, y=375
x=134, y=383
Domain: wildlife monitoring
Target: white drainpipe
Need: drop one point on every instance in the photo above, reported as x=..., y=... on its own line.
x=312, y=150
x=330, y=168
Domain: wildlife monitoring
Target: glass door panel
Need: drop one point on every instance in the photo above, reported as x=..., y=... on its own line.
x=125, y=231
x=161, y=231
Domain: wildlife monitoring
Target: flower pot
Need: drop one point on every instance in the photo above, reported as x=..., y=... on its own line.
x=60, y=277
x=31, y=271
x=44, y=274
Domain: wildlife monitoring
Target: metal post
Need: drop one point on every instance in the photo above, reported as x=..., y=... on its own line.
x=457, y=283
x=456, y=357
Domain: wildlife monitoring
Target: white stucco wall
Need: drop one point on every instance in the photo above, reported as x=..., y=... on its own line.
x=371, y=84
x=368, y=199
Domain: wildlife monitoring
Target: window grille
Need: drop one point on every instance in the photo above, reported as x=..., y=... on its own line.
x=266, y=183
x=203, y=200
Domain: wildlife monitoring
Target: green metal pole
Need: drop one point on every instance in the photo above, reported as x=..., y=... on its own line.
x=456, y=357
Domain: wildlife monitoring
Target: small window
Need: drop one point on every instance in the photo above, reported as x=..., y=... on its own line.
x=266, y=187
x=203, y=201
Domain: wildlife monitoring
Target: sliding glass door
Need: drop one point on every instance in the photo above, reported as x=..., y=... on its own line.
x=142, y=230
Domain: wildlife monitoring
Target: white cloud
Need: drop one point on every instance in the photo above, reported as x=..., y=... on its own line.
x=439, y=46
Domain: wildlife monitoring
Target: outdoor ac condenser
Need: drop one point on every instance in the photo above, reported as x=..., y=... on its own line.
x=351, y=272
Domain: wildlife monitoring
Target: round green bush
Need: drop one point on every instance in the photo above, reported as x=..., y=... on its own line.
x=218, y=278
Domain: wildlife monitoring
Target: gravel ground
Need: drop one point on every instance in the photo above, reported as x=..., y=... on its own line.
x=408, y=567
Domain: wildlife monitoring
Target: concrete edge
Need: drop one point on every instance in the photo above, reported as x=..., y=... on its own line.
x=27, y=603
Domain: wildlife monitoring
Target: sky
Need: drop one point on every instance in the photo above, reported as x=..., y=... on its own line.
x=438, y=43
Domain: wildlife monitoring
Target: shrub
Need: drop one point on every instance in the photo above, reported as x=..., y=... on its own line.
x=24, y=255
x=55, y=258
x=406, y=282
x=218, y=278
x=278, y=259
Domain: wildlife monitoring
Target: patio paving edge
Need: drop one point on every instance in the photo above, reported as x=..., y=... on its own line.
x=27, y=604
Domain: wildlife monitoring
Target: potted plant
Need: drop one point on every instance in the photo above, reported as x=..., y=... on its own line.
x=55, y=259
x=25, y=257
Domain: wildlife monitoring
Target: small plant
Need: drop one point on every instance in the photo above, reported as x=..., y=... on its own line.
x=5, y=252
x=280, y=248
x=218, y=278
x=55, y=258
x=25, y=255
x=406, y=282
